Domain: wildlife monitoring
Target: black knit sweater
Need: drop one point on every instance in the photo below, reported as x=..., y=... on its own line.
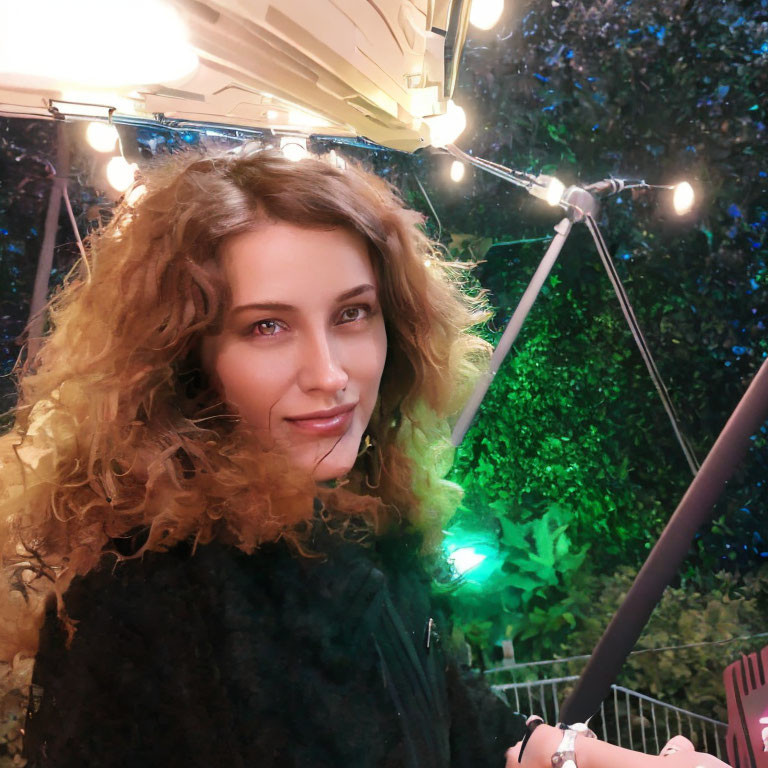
x=269, y=660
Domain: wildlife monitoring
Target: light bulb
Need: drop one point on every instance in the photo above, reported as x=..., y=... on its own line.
x=101, y=136
x=294, y=151
x=45, y=43
x=445, y=129
x=555, y=190
x=548, y=188
x=485, y=13
x=465, y=559
x=458, y=169
x=336, y=160
x=683, y=198
x=121, y=173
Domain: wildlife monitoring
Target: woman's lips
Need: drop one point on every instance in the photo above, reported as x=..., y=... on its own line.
x=331, y=426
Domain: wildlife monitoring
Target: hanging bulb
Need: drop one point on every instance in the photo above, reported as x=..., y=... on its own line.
x=445, y=129
x=485, y=13
x=121, y=173
x=294, y=147
x=683, y=198
x=548, y=188
x=458, y=169
x=101, y=136
x=45, y=43
x=555, y=190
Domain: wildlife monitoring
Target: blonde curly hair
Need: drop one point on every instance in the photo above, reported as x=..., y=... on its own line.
x=117, y=430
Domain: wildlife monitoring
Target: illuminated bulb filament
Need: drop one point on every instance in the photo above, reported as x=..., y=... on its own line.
x=555, y=191
x=294, y=147
x=548, y=188
x=101, y=136
x=458, y=169
x=465, y=559
x=121, y=173
x=445, y=129
x=683, y=198
x=485, y=13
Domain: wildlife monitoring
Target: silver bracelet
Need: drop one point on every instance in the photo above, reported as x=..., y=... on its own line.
x=565, y=756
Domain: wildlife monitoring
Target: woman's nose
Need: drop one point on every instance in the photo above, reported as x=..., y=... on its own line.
x=321, y=367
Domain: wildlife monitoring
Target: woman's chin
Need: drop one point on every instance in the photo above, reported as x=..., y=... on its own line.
x=334, y=465
x=330, y=460
x=330, y=469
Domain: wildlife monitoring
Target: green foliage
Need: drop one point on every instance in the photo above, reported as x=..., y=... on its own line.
x=527, y=598
x=572, y=422
x=722, y=606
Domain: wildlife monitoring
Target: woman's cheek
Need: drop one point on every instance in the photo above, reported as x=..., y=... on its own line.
x=252, y=385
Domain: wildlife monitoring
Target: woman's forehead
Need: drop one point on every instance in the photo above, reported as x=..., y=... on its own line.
x=280, y=260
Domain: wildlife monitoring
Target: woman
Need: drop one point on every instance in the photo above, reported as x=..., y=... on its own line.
x=225, y=481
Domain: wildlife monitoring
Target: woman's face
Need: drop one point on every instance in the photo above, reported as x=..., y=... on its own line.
x=303, y=344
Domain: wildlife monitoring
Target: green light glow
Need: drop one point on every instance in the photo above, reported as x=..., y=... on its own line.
x=465, y=560
x=473, y=555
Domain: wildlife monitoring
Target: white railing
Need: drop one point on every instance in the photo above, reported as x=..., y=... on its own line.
x=627, y=718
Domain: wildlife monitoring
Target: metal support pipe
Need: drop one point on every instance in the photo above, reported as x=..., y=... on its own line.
x=670, y=550
x=36, y=323
x=512, y=330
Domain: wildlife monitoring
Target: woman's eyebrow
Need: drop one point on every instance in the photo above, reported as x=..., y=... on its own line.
x=282, y=307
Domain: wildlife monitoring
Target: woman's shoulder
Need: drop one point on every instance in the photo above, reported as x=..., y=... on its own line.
x=218, y=564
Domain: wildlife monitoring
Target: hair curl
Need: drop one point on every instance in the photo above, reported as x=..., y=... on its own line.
x=116, y=430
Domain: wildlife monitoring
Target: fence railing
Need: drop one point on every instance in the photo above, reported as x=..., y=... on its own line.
x=627, y=718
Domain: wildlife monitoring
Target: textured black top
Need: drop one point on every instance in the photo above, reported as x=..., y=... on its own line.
x=271, y=659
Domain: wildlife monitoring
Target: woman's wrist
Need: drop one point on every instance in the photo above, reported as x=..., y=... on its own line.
x=542, y=744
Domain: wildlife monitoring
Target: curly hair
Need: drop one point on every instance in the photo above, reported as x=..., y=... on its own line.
x=118, y=431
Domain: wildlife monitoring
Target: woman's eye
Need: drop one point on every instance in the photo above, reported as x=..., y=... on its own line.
x=265, y=328
x=350, y=314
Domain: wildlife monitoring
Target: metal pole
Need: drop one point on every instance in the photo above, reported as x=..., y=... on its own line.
x=36, y=321
x=512, y=330
x=669, y=552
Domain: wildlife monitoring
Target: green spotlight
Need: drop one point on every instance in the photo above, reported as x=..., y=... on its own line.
x=473, y=556
x=465, y=560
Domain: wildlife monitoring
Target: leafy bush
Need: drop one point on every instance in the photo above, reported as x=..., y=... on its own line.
x=723, y=607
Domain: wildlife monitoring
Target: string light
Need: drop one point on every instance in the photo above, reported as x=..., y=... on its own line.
x=121, y=173
x=683, y=198
x=485, y=13
x=78, y=32
x=101, y=136
x=445, y=129
x=458, y=169
x=336, y=160
x=294, y=147
x=548, y=188
x=555, y=190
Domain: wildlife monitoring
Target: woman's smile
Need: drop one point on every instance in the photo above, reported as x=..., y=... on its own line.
x=335, y=421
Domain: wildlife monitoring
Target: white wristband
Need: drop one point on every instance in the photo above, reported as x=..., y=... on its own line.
x=565, y=756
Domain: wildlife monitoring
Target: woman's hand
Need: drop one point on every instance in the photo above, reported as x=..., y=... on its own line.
x=678, y=752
